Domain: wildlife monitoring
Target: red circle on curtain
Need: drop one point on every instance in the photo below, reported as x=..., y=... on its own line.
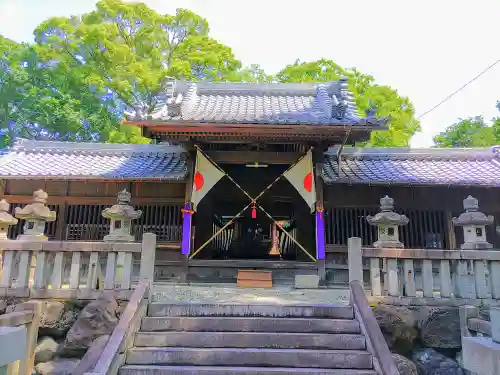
x=308, y=182
x=199, y=181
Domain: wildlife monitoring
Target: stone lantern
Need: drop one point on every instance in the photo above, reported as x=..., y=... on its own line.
x=387, y=222
x=474, y=225
x=121, y=216
x=36, y=215
x=6, y=219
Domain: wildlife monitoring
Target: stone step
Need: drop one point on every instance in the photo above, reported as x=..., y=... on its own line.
x=204, y=370
x=250, y=340
x=296, y=311
x=331, y=359
x=249, y=324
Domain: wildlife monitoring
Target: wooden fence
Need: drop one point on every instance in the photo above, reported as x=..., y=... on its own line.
x=74, y=269
x=427, y=276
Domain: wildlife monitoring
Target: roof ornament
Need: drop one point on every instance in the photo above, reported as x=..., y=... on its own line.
x=339, y=108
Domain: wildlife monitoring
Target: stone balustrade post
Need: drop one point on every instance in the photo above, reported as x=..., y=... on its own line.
x=147, y=267
x=495, y=323
x=355, y=259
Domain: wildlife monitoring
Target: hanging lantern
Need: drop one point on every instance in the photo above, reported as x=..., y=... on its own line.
x=254, y=210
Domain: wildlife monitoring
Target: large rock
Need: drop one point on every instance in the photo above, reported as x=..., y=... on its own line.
x=405, y=366
x=431, y=362
x=57, y=367
x=57, y=319
x=46, y=349
x=440, y=327
x=398, y=326
x=98, y=318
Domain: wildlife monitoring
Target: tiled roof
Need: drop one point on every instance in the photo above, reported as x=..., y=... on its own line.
x=270, y=103
x=40, y=159
x=413, y=166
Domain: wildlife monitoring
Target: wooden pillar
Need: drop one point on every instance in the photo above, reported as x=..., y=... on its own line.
x=2, y=188
x=452, y=240
x=318, y=157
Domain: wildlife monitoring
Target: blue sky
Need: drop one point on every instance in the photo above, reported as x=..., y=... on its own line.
x=425, y=49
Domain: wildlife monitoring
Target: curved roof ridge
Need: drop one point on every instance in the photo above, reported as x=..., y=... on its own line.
x=406, y=153
x=25, y=145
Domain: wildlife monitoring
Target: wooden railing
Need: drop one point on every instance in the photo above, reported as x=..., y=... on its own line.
x=64, y=269
x=26, y=315
x=122, y=337
x=383, y=362
x=430, y=275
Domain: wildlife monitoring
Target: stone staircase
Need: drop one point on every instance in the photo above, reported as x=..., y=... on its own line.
x=191, y=339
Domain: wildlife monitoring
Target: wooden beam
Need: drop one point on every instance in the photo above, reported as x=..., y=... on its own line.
x=58, y=200
x=247, y=157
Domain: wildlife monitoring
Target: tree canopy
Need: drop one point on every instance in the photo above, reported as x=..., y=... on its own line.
x=470, y=132
x=75, y=80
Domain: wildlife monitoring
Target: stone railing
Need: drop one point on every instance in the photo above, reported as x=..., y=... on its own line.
x=83, y=270
x=423, y=276
x=480, y=341
x=18, y=338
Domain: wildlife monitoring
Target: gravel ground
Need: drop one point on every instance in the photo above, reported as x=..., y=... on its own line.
x=230, y=294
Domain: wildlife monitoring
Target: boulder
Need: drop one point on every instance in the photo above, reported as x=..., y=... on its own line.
x=98, y=318
x=440, y=327
x=57, y=367
x=46, y=349
x=90, y=358
x=405, y=366
x=56, y=319
x=431, y=362
x=398, y=326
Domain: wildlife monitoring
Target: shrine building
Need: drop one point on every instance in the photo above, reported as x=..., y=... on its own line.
x=259, y=176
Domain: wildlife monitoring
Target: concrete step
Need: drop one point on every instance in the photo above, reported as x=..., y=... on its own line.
x=331, y=359
x=216, y=370
x=296, y=311
x=250, y=340
x=249, y=324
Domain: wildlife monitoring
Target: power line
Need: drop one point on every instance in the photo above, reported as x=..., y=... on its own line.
x=457, y=91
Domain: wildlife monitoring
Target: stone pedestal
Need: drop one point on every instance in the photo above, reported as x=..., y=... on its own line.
x=474, y=225
x=36, y=215
x=121, y=216
x=6, y=219
x=387, y=222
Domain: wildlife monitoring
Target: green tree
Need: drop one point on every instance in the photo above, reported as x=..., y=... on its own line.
x=469, y=132
x=367, y=93
x=127, y=50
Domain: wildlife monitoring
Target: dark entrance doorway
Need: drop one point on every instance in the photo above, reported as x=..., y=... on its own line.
x=248, y=237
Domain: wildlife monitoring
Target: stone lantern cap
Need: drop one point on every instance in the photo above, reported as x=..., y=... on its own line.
x=472, y=215
x=5, y=216
x=387, y=216
x=123, y=209
x=37, y=210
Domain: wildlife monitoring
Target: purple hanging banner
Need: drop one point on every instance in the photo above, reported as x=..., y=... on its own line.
x=187, y=213
x=320, y=234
